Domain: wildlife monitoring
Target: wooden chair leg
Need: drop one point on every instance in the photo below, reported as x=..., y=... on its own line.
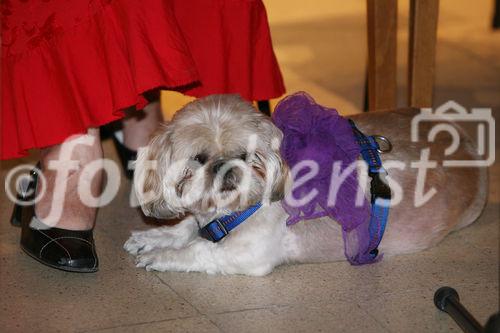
x=264, y=107
x=422, y=52
x=496, y=15
x=382, y=29
x=365, y=97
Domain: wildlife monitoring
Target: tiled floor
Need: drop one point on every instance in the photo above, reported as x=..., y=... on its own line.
x=321, y=48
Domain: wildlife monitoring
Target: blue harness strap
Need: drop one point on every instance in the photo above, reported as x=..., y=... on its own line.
x=220, y=228
x=380, y=191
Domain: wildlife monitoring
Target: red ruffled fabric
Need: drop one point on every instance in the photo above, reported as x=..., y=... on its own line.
x=231, y=45
x=71, y=65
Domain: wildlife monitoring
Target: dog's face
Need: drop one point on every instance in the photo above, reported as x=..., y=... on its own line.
x=218, y=153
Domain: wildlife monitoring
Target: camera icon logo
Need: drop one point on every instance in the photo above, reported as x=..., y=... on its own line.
x=452, y=112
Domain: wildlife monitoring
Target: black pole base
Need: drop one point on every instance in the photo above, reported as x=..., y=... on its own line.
x=446, y=299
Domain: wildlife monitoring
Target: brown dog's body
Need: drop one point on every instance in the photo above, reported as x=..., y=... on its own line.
x=461, y=192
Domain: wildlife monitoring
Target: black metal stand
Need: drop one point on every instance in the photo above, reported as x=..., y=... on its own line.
x=446, y=299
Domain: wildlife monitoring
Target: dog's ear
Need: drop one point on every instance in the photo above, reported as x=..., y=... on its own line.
x=151, y=178
x=279, y=175
x=276, y=168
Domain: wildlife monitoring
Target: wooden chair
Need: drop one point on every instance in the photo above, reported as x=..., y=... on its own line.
x=382, y=29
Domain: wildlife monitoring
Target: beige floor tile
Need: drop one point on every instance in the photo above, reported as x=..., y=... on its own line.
x=415, y=311
x=38, y=298
x=287, y=285
x=195, y=325
x=330, y=317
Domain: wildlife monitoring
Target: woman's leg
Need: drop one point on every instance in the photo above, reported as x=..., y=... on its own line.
x=62, y=165
x=138, y=126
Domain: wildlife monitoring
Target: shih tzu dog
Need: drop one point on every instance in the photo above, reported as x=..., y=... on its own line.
x=219, y=155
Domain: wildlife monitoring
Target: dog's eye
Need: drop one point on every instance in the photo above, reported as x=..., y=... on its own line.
x=201, y=158
x=243, y=156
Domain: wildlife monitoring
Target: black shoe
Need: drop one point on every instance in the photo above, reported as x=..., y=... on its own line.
x=68, y=250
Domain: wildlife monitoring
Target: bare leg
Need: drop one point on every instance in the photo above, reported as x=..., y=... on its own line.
x=61, y=206
x=138, y=126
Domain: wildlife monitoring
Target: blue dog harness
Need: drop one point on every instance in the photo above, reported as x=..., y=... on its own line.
x=220, y=228
x=379, y=190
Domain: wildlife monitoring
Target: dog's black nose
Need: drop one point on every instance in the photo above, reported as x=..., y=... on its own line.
x=217, y=165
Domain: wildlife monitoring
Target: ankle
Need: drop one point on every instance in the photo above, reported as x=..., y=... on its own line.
x=139, y=126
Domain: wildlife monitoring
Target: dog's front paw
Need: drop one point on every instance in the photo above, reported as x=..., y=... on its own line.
x=139, y=242
x=153, y=261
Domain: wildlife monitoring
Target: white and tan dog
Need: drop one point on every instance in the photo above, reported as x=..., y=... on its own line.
x=178, y=175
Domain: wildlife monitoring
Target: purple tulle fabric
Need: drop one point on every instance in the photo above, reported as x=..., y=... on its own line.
x=317, y=133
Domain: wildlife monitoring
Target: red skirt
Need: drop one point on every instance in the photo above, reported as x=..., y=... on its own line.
x=71, y=65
